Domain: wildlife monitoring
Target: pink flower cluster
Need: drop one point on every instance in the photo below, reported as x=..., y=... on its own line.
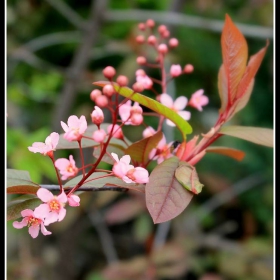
x=51, y=210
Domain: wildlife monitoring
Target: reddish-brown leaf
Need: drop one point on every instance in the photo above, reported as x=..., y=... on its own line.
x=166, y=198
x=235, y=55
x=22, y=189
x=230, y=152
x=251, y=70
x=223, y=88
x=140, y=150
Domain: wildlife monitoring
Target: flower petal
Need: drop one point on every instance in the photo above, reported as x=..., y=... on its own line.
x=180, y=103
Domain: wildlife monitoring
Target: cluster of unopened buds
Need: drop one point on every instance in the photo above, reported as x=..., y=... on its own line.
x=166, y=194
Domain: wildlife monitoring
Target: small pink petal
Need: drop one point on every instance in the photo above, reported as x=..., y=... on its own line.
x=180, y=103
x=44, y=194
x=166, y=100
x=186, y=115
x=34, y=231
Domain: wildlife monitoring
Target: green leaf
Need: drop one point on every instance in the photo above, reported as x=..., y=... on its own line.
x=257, y=135
x=18, y=177
x=152, y=104
x=15, y=207
x=186, y=174
x=165, y=196
x=140, y=150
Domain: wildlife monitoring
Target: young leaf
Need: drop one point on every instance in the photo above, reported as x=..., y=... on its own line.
x=18, y=177
x=230, y=152
x=251, y=70
x=165, y=196
x=186, y=174
x=15, y=207
x=223, y=88
x=152, y=104
x=235, y=55
x=257, y=135
x=140, y=150
x=23, y=189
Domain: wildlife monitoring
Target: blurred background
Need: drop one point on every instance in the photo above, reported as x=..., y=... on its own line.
x=55, y=51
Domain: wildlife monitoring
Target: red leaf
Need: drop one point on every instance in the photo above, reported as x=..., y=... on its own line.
x=22, y=189
x=166, y=198
x=233, y=153
x=251, y=70
x=140, y=150
x=235, y=55
x=223, y=89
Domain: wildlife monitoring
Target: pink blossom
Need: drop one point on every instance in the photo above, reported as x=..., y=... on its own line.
x=148, y=131
x=127, y=172
x=99, y=135
x=198, y=100
x=143, y=79
x=46, y=148
x=131, y=114
x=53, y=207
x=97, y=115
x=162, y=151
x=117, y=131
x=73, y=200
x=75, y=128
x=66, y=167
x=178, y=105
x=175, y=70
x=34, y=221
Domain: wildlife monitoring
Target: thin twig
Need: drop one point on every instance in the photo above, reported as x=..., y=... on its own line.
x=79, y=63
x=68, y=13
x=172, y=18
x=87, y=189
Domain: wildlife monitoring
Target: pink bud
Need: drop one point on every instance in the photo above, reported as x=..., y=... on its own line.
x=108, y=90
x=141, y=26
x=117, y=131
x=97, y=116
x=162, y=48
x=175, y=70
x=136, y=119
x=94, y=94
x=161, y=29
x=173, y=42
x=122, y=80
x=150, y=23
x=140, y=39
x=101, y=101
x=188, y=68
x=152, y=40
x=140, y=72
x=109, y=72
x=165, y=34
x=141, y=60
x=138, y=87
x=99, y=135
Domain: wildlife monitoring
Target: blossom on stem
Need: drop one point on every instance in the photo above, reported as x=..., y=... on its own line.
x=198, y=100
x=97, y=116
x=142, y=78
x=99, y=135
x=131, y=114
x=127, y=172
x=75, y=128
x=53, y=207
x=148, y=131
x=175, y=70
x=67, y=168
x=162, y=151
x=46, y=148
x=34, y=221
x=73, y=200
x=178, y=105
x=117, y=131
